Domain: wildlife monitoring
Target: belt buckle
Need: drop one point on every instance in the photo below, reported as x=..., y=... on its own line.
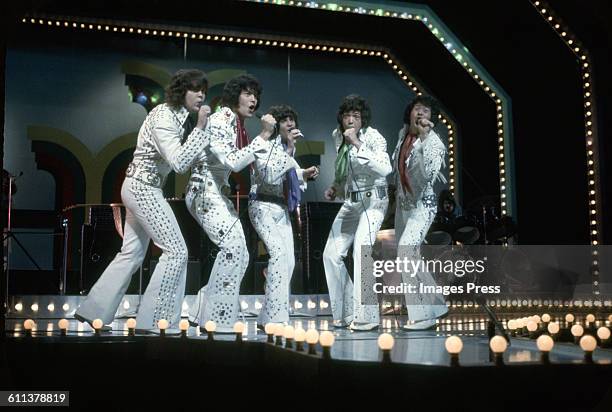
x=153, y=179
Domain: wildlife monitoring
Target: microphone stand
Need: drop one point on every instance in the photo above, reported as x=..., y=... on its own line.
x=9, y=236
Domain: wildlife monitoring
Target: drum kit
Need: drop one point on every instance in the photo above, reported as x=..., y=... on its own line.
x=480, y=224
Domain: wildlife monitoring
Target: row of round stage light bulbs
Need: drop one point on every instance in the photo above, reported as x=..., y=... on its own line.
x=274, y=331
x=547, y=332
x=453, y=344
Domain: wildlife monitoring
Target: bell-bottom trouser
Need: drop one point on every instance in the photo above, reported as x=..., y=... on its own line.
x=219, y=299
x=355, y=224
x=273, y=225
x=411, y=227
x=148, y=217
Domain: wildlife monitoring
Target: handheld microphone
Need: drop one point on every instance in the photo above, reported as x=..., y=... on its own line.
x=299, y=134
x=259, y=115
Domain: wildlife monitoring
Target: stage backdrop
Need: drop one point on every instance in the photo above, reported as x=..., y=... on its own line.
x=74, y=105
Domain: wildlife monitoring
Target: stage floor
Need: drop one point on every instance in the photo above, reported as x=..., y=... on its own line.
x=414, y=347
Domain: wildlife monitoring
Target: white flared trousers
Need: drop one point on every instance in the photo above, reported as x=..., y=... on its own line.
x=355, y=224
x=411, y=227
x=218, y=300
x=273, y=225
x=148, y=217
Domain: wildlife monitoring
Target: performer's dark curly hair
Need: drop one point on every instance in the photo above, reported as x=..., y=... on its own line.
x=283, y=111
x=183, y=80
x=357, y=103
x=233, y=88
x=425, y=101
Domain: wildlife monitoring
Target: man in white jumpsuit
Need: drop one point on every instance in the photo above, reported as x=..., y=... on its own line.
x=275, y=193
x=362, y=165
x=417, y=161
x=206, y=199
x=148, y=215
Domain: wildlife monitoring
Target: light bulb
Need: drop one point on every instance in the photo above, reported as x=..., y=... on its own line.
x=545, y=343
x=532, y=326
x=588, y=343
x=512, y=324
x=279, y=329
x=210, y=326
x=289, y=332
x=553, y=328
x=577, y=331
x=498, y=344
x=536, y=318
x=29, y=324
x=312, y=336
x=326, y=339
x=300, y=335
x=269, y=328
x=453, y=345
x=569, y=318
x=385, y=341
x=603, y=333
x=546, y=318
x=63, y=324
x=184, y=325
x=162, y=324
x=239, y=327
x=97, y=324
x=590, y=318
x=131, y=323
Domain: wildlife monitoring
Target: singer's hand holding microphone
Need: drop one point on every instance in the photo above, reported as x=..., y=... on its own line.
x=203, y=116
x=268, y=126
x=424, y=126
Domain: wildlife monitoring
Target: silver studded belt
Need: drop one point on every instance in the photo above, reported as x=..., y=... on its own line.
x=148, y=177
x=379, y=192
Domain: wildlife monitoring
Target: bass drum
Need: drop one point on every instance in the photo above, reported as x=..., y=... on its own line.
x=465, y=230
x=440, y=232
